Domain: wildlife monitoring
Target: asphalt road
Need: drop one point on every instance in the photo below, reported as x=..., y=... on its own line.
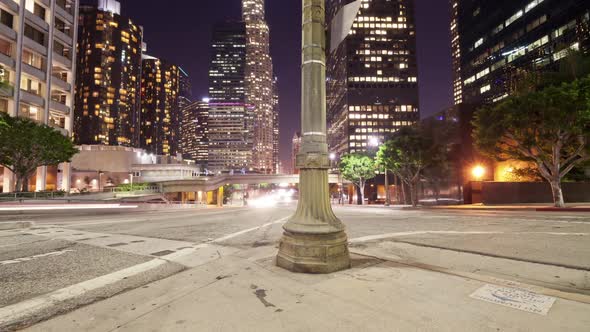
x=64, y=249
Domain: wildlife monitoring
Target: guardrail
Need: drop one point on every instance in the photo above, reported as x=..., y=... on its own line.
x=60, y=195
x=32, y=195
x=152, y=189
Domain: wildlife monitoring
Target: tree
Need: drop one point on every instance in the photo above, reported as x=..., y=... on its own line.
x=358, y=168
x=408, y=153
x=549, y=127
x=26, y=145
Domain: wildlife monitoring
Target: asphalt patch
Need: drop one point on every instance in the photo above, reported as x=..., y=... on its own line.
x=162, y=253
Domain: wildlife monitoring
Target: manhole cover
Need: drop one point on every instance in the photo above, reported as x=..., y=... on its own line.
x=515, y=298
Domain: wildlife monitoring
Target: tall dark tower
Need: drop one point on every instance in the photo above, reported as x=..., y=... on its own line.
x=230, y=118
x=107, y=100
x=228, y=63
x=496, y=40
x=372, y=76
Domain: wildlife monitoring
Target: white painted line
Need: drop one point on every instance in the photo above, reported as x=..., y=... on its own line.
x=231, y=236
x=515, y=298
x=68, y=207
x=390, y=235
x=189, y=251
x=399, y=234
x=140, y=218
x=30, y=258
x=26, y=308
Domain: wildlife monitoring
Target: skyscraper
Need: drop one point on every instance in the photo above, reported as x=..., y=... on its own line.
x=259, y=84
x=107, y=101
x=160, y=127
x=295, y=148
x=276, y=127
x=228, y=61
x=37, y=66
x=456, y=53
x=499, y=39
x=372, y=76
x=230, y=118
x=185, y=95
x=195, y=132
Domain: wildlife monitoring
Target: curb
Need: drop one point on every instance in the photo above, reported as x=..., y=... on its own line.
x=563, y=210
x=5, y=226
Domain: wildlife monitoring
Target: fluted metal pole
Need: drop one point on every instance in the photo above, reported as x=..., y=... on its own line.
x=314, y=240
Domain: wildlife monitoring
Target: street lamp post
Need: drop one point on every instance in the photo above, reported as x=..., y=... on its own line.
x=100, y=174
x=387, y=193
x=314, y=240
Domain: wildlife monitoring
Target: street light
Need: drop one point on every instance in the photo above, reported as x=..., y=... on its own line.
x=478, y=172
x=131, y=177
x=100, y=174
x=373, y=141
x=314, y=239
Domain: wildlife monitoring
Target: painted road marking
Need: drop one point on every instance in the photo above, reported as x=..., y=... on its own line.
x=142, y=218
x=30, y=258
x=231, y=236
x=515, y=298
x=18, y=311
x=399, y=234
x=68, y=207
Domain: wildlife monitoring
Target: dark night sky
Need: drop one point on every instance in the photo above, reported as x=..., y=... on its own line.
x=180, y=30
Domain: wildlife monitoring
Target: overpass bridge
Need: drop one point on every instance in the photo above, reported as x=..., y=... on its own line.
x=208, y=184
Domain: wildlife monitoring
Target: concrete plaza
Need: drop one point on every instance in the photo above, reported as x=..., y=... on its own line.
x=213, y=270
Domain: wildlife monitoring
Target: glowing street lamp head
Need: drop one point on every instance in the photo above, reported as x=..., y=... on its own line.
x=332, y=156
x=373, y=141
x=478, y=172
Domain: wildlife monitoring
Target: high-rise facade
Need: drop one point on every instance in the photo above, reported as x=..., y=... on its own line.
x=259, y=84
x=496, y=40
x=37, y=66
x=227, y=72
x=107, y=101
x=295, y=148
x=372, y=75
x=230, y=117
x=194, y=132
x=230, y=140
x=276, y=127
x=185, y=95
x=160, y=118
x=456, y=53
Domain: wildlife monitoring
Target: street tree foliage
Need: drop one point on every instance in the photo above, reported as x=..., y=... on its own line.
x=358, y=168
x=549, y=127
x=408, y=154
x=26, y=145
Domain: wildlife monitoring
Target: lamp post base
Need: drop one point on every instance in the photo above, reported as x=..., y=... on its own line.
x=314, y=253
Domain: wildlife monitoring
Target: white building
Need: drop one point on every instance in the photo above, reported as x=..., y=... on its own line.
x=37, y=61
x=99, y=167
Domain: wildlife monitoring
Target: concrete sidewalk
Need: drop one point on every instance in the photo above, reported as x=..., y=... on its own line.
x=244, y=291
